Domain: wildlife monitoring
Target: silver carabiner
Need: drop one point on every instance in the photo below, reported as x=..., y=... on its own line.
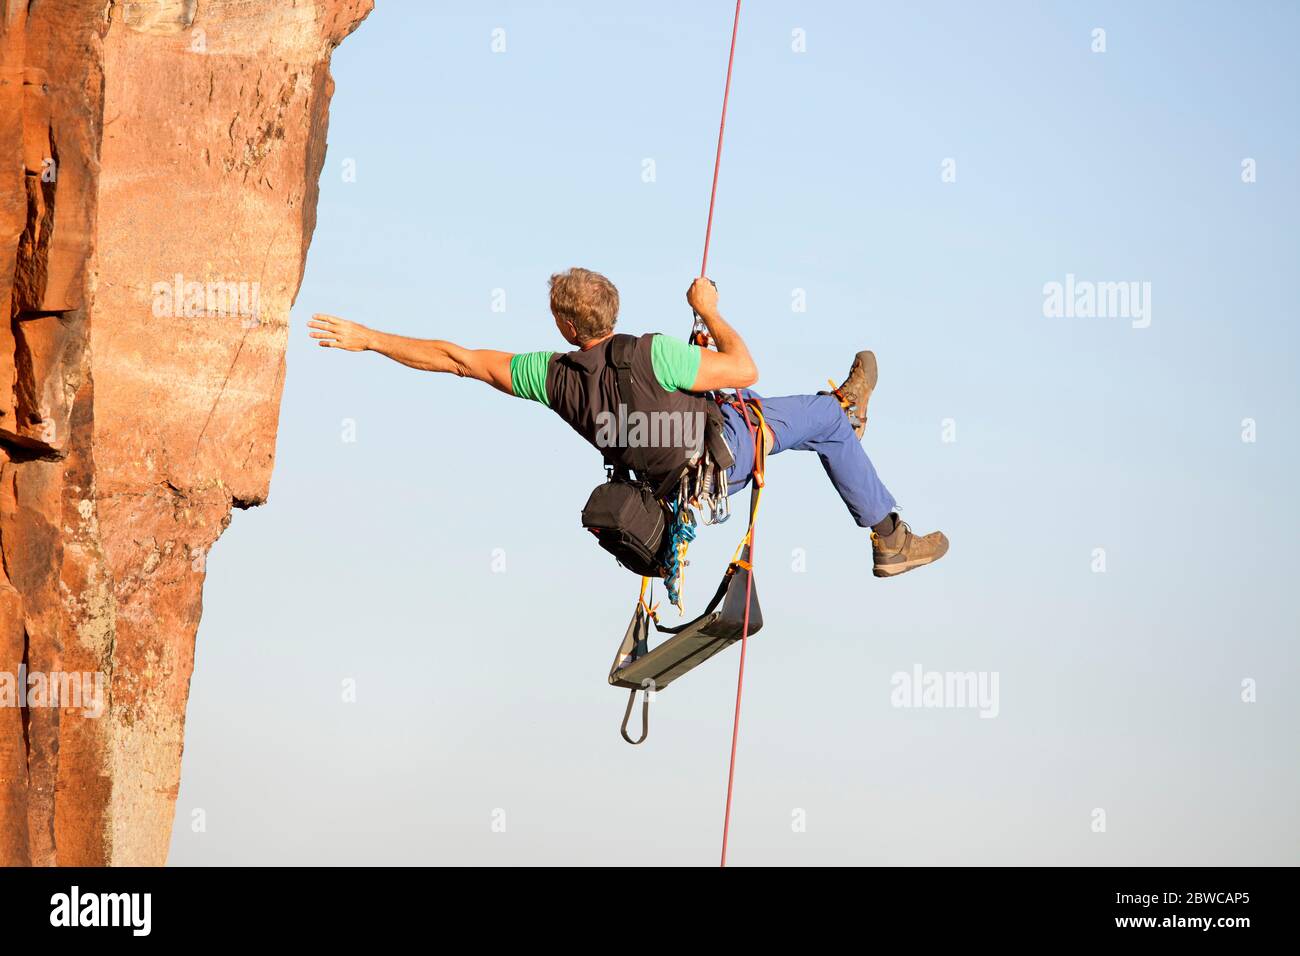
x=722, y=504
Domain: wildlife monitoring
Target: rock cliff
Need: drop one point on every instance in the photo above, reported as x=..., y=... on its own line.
x=158, y=179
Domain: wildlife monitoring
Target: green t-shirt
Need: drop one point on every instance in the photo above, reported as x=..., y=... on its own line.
x=676, y=364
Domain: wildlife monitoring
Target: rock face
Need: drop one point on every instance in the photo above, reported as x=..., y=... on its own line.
x=159, y=162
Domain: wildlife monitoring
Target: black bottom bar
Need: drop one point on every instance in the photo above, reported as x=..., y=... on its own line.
x=1170, y=907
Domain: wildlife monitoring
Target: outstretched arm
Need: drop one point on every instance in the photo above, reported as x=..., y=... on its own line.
x=731, y=365
x=429, y=355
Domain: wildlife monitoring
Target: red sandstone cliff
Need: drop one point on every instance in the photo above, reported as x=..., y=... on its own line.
x=158, y=178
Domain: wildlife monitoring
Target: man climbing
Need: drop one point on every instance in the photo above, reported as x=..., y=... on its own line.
x=583, y=388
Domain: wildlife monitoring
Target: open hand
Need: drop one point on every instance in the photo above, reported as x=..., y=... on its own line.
x=336, y=333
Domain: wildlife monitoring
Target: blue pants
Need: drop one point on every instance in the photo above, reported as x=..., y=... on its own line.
x=812, y=423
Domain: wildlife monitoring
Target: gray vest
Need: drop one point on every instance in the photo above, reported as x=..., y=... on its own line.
x=609, y=395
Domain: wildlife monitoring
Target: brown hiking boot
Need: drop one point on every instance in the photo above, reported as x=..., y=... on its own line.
x=856, y=390
x=901, y=551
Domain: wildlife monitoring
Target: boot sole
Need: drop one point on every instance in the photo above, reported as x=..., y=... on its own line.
x=871, y=368
x=871, y=372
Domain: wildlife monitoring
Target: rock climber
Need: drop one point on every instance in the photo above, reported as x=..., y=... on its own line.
x=582, y=387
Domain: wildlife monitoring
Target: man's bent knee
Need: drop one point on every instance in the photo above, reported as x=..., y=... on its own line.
x=831, y=416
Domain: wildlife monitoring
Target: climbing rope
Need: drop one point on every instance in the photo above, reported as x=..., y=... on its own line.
x=680, y=535
x=755, y=435
x=758, y=435
x=722, y=126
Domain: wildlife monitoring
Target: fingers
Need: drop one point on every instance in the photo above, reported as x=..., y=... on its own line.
x=702, y=295
x=331, y=328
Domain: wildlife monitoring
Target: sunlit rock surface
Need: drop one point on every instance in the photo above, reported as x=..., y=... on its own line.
x=157, y=196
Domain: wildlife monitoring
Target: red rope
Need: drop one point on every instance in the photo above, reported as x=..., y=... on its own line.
x=744, y=645
x=749, y=580
x=722, y=126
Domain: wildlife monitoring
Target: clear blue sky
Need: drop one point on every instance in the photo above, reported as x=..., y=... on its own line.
x=480, y=691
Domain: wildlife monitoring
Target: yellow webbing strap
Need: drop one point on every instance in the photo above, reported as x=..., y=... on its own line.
x=652, y=610
x=835, y=390
x=760, y=468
